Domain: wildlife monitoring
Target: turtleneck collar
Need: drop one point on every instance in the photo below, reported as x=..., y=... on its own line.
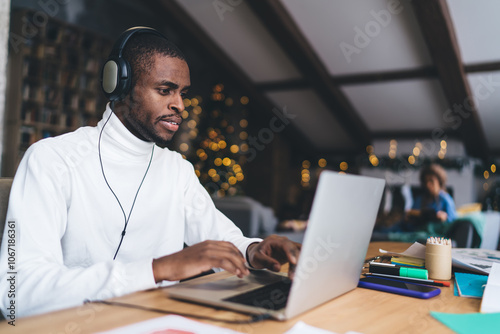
x=117, y=141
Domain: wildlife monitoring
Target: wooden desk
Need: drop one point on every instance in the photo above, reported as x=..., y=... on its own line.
x=361, y=310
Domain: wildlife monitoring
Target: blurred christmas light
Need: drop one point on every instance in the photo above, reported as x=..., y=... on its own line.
x=218, y=88
x=222, y=144
x=197, y=110
x=243, y=123
x=214, y=147
x=192, y=124
x=234, y=149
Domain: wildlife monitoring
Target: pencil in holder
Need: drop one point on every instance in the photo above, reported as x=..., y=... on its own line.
x=438, y=258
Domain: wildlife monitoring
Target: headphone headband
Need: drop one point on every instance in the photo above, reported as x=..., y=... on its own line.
x=116, y=78
x=121, y=42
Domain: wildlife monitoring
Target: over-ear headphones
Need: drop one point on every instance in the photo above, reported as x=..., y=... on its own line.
x=116, y=78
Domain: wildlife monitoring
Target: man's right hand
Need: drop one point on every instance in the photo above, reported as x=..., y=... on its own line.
x=199, y=258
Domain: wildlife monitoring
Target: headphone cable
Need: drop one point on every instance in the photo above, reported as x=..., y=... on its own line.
x=107, y=183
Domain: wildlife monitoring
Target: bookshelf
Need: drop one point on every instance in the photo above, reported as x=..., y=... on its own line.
x=53, y=82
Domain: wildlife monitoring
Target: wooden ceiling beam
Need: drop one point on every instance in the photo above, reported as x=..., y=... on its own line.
x=229, y=70
x=428, y=72
x=483, y=67
x=415, y=134
x=281, y=85
x=286, y=33
x=354, y=79
x=437, y=28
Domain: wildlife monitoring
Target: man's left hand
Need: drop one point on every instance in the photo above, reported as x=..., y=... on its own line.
x=272, y=252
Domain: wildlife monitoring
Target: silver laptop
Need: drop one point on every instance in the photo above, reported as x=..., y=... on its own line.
x=333, y=251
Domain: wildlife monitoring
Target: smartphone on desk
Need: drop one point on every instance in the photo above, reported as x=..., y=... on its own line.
x=399, y=287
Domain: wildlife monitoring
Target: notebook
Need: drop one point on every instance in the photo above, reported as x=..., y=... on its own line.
x=333, y=251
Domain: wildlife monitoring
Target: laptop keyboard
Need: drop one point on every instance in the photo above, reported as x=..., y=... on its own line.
x=271, y=297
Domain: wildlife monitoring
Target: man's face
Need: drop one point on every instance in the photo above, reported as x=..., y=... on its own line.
x=154, y=106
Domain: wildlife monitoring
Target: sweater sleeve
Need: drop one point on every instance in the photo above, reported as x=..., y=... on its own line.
x=204, y=221
x=449, y=207
x=37, y=213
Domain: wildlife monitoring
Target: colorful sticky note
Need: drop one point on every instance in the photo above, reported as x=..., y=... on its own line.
x=470, y=323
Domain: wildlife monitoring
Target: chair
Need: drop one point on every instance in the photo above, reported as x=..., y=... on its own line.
x=5, y=185
x=251, y=217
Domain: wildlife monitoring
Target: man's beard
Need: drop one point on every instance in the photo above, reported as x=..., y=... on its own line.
x=147, y=131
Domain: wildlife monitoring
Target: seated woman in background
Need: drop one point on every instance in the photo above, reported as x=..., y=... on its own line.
x=431, y=214
x=435, y=204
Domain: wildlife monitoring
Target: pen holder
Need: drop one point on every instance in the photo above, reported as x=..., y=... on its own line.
x=438, y=258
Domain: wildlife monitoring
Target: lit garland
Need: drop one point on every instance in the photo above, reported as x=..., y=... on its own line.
x=217, y=146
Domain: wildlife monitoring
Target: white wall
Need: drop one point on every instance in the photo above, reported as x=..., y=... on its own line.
x=4, y=38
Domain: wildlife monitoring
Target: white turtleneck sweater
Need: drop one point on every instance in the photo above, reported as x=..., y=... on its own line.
x=68, y=224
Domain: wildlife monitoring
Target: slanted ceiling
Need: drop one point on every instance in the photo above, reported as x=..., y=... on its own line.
x=352, y=71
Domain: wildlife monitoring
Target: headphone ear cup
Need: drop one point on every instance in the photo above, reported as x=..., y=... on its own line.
x=116, y=75
x=116, y=78
x=109, y=77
